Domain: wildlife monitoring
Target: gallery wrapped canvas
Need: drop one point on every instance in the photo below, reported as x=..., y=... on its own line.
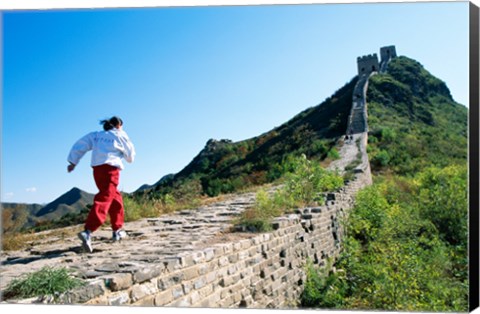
x=288, y=156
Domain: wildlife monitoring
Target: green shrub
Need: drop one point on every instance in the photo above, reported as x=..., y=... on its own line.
x=308, y=180
x=322, y=289
x=47, y=281
x=442, y=195
x=381, y=158
x=304, y=183
x=139, y=208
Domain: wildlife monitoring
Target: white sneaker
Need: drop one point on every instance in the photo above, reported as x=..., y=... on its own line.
x=119, y=235
x=86, y=241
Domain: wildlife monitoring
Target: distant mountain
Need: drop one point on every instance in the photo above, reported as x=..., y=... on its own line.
x=16, y=217
x=71, y=202
x=147, y=187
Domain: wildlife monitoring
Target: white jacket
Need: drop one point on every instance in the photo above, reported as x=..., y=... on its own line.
x=108, y=147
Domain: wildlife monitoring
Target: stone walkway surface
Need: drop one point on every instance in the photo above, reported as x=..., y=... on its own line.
x=149, y=241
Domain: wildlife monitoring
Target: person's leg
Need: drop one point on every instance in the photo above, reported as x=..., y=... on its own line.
x=105, y=178
x=116, y=210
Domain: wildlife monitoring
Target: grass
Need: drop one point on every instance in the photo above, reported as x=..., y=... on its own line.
x=19, y=241
x=45, y=282
x=303, y=186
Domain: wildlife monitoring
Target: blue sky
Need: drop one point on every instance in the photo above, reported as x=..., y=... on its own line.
x=181, y=76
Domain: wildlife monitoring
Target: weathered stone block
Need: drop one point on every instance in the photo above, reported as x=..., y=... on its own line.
x=167, y=282
x=190, y=273
x=177, y=292
x=187, y=286
x=85, y=293
x=199, y=283
x=243, y=255
x=119, y=299
x=209, y=254
x=117, y=282
x=233, y=258
x=187, y=260
x=147, y=273
x=211, y=277
x=227, y=281
x=206, y=291
x=163, y=298
x=141, y=291
x=198, y=257
x=172, y=264
x=222, y=261
x=182, y=302
x=148, y=301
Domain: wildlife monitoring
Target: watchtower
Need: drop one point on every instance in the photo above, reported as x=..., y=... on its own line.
x=367, y=64
x=387, y=53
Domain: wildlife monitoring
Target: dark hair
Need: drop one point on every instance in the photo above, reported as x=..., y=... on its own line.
x=111, y=123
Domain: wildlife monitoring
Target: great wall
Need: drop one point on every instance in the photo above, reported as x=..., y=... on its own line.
x=192, y=259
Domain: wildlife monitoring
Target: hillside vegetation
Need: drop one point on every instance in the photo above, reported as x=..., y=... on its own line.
x=406, y=243
x=225, y=166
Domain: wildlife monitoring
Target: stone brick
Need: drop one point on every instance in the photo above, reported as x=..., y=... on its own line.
x=198, y=257
x=209, y=254
x=187, y=286
x=147, y=273
x=171, y=264
x=222, y=261
x=206, y=291
x=243, y=255
x=182, y=302
x=187, y=260
x=199, y=283
x=85, y=293
x=233, y=258
x=117, y=282
x=148, y=301
x=119, y=299
x=141, y=291
x=226, y=302
x=211, y=277
x=190, y=273
x=232, y=270
x=227, y=281
x=177, y=292
x=194, y=297
x=163, y=298
x=237, y=246
x=246, y=244
x=167, y=282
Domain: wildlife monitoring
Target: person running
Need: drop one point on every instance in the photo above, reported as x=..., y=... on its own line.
x=108, y=148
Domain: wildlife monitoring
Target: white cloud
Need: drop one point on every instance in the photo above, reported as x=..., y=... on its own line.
x=31, y=190
x=8, y=195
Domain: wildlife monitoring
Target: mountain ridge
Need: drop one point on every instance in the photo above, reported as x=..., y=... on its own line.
x=18, y=216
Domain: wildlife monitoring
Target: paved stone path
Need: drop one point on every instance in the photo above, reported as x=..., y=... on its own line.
x=149, y=241
x=348, y=154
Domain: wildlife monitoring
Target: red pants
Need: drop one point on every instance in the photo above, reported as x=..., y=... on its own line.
x=108, y=200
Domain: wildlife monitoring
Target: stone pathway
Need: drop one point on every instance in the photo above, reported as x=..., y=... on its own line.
x=149, y=241
x=348, y=154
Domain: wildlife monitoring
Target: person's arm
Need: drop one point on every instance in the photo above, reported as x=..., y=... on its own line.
x=78, y=150
x=128, y=149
